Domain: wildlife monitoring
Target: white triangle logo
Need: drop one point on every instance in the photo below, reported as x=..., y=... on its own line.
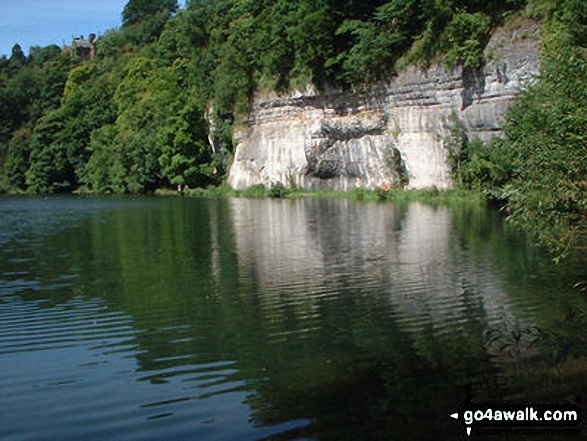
x=455, y=416
x=468, y=431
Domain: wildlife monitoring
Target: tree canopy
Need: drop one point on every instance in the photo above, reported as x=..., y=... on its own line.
x=138, y=10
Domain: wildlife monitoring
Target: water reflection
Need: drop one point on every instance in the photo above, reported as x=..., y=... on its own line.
x=303, y=319
x=409, y=255
x=416, y=295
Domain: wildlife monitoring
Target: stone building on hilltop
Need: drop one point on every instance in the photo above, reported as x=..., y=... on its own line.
x=80, y=47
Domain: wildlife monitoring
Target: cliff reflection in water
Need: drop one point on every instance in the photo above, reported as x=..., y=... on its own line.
x=408, y=254
x=379, y=313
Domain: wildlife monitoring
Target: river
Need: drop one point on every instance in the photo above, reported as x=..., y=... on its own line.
x=310, y=319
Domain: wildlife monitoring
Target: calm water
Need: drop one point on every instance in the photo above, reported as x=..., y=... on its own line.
x=182, y=319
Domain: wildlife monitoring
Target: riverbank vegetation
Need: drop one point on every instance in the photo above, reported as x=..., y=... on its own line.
x=279, y=191
x=139, y=116
x=538, y=172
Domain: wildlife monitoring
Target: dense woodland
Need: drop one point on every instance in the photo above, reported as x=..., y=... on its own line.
x=137, y=116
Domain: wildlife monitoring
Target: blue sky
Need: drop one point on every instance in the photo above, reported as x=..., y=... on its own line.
x=44, y=22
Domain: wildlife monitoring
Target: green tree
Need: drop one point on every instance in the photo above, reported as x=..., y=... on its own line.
x=50, y=170
x=18, y=159
x=159, y=135
x=185, y=153
x=313, y=37
x=466, y=36
x=53, y=76
x=547, y=139
x=18, y=58
x=539, y=171
x=137, y=10
x=60, y=138
x=107, y=167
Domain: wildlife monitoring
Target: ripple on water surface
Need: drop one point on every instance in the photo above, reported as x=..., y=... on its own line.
x=71, y=372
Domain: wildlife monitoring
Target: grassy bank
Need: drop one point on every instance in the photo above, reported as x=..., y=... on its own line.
x=357, y=194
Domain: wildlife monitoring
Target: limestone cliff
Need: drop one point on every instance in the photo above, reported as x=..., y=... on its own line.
x=389, y=134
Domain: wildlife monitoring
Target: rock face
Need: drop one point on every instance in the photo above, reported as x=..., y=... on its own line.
x=389, y=134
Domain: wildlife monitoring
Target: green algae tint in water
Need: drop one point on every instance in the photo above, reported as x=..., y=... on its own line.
x=173, y=319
